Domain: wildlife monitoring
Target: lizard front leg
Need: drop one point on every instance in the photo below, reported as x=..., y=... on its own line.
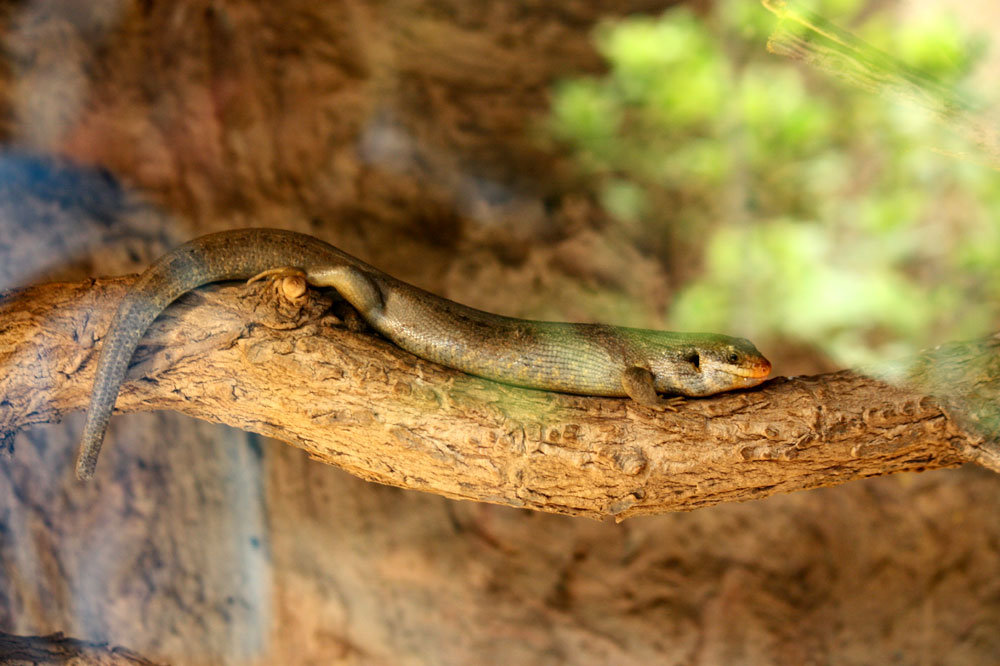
x=638, y=385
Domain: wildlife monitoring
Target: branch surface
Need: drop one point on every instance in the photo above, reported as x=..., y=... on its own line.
x=58, y=649
x=249, y=358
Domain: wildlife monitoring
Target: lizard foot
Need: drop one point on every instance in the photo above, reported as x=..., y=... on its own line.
x=672, y=403
x=291, y=281
x=276, y=273
x=638, y=385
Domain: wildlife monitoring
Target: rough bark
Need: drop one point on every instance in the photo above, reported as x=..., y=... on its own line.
x=357, y=402
x=57, y=649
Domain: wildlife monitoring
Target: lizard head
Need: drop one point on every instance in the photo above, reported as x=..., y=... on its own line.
x=707, y=363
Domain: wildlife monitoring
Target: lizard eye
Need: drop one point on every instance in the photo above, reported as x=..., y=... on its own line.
x=694, y=359
x=733, y=358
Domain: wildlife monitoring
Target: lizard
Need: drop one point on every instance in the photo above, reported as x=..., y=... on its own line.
x=584, y=359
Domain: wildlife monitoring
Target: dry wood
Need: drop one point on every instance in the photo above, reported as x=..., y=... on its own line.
x=58, y=649
x=242, y=356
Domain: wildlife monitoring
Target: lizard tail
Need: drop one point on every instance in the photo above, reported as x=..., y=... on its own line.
x=190, y=265
x=228, y=255
x=160, y=285
x=133, y=317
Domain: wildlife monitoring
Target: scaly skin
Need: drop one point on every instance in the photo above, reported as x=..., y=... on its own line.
x=587, y=359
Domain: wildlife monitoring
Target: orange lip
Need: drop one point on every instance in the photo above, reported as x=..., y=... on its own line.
x=758, y=370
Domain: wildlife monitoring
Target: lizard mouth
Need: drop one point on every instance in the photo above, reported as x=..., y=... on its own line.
x=758, y=370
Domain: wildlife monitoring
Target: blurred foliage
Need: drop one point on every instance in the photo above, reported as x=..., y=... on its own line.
x=823, y=214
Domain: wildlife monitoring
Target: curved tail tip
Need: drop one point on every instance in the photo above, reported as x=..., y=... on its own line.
x=85, y=469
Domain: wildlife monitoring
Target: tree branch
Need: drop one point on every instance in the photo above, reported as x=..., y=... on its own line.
x=58, y=649
x=355, y=401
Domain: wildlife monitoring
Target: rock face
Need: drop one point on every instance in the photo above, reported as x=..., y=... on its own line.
x=407, y=133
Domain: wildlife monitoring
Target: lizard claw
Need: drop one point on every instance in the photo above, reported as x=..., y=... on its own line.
x=277, y=273
x=670, y=404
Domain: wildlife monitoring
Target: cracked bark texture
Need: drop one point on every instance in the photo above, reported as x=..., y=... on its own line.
x=405, y=132
x=57, y=649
